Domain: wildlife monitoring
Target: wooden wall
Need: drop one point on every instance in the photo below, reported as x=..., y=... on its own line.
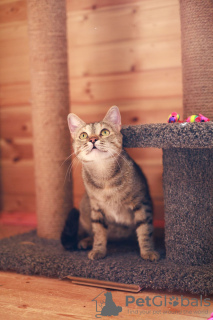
x=123, y=52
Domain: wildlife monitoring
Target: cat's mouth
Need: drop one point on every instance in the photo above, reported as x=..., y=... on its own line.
x=94, y=148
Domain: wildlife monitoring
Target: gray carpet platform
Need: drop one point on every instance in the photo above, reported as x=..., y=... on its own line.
x=167, y=136
x=28, y=254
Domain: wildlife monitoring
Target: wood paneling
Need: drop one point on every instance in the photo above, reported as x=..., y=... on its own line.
x=16, y=149
x=147, y=110
x=12, y=11
x=15, y=94
x=19, y=202
x=153, y=83
x=76, y=5
x=126, y=56
x=16, y=122
x=118, y=23
x=124, y=52
x=18, y=177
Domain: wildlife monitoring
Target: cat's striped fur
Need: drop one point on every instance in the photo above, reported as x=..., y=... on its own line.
x=117, y=201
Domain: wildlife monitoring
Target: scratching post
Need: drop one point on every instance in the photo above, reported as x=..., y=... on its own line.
x=50, y=106
x=197, y=63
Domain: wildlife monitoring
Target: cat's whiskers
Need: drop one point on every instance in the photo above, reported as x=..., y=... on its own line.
x=67, y=158
x=67, y=173
x=86, y=148
x=76, y=165
x=71, y=165
x=119, y=154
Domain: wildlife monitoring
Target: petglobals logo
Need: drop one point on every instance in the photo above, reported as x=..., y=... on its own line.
x=162, y=305
x=105, y=306
x=160, y=301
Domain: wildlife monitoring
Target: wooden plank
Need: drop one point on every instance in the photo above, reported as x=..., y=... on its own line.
x=18, y=178
x=14, y=47
x=88, y=5
x=33, y=297
x=133, y=111
x=121, y=23
x=16, y=149
x=18, y=202
x=13, y=11
x=153, y=83
x=76, y=5
x=15, y=94
x=14, y=65
x=16, y=123
x=14, y=30
x=126, y=56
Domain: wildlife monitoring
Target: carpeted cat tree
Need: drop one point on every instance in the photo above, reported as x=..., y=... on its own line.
x=187, y=165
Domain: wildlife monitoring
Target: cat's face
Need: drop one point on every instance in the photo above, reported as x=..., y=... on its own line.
x=96, y=141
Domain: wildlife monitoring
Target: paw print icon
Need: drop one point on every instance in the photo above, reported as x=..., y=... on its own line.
x=173, y=301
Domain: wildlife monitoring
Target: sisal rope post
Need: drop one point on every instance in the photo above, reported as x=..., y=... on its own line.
x=197, y=56
x=50, y=107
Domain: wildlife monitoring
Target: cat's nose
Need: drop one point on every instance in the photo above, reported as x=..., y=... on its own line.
x=93, y=139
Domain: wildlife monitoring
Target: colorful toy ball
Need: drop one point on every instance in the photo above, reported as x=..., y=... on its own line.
x=193, y=118
x=173, y=117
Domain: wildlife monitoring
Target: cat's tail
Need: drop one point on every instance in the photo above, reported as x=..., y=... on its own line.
x=69, y=236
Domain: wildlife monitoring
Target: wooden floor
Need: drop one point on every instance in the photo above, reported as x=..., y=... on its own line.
x=33, y=297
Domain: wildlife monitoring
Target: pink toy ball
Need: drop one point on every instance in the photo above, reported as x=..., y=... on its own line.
x=173, y=117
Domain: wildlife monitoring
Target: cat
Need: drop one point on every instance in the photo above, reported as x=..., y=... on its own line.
x=117, y=203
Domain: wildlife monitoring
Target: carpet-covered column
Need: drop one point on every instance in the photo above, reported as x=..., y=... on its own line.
x=188, y=196
x=197, y=62
x=50, y=107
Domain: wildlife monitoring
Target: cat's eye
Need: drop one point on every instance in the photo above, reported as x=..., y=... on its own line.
x=105, y=132
x=83, y=135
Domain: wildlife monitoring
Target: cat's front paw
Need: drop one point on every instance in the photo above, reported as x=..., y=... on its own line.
x=96, y=254
x=150, y=255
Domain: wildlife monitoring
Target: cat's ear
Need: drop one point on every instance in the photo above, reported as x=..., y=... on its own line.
x=113, y=116
x=74, y=123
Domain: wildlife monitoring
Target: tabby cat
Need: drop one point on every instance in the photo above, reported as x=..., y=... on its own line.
x=117, y=202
